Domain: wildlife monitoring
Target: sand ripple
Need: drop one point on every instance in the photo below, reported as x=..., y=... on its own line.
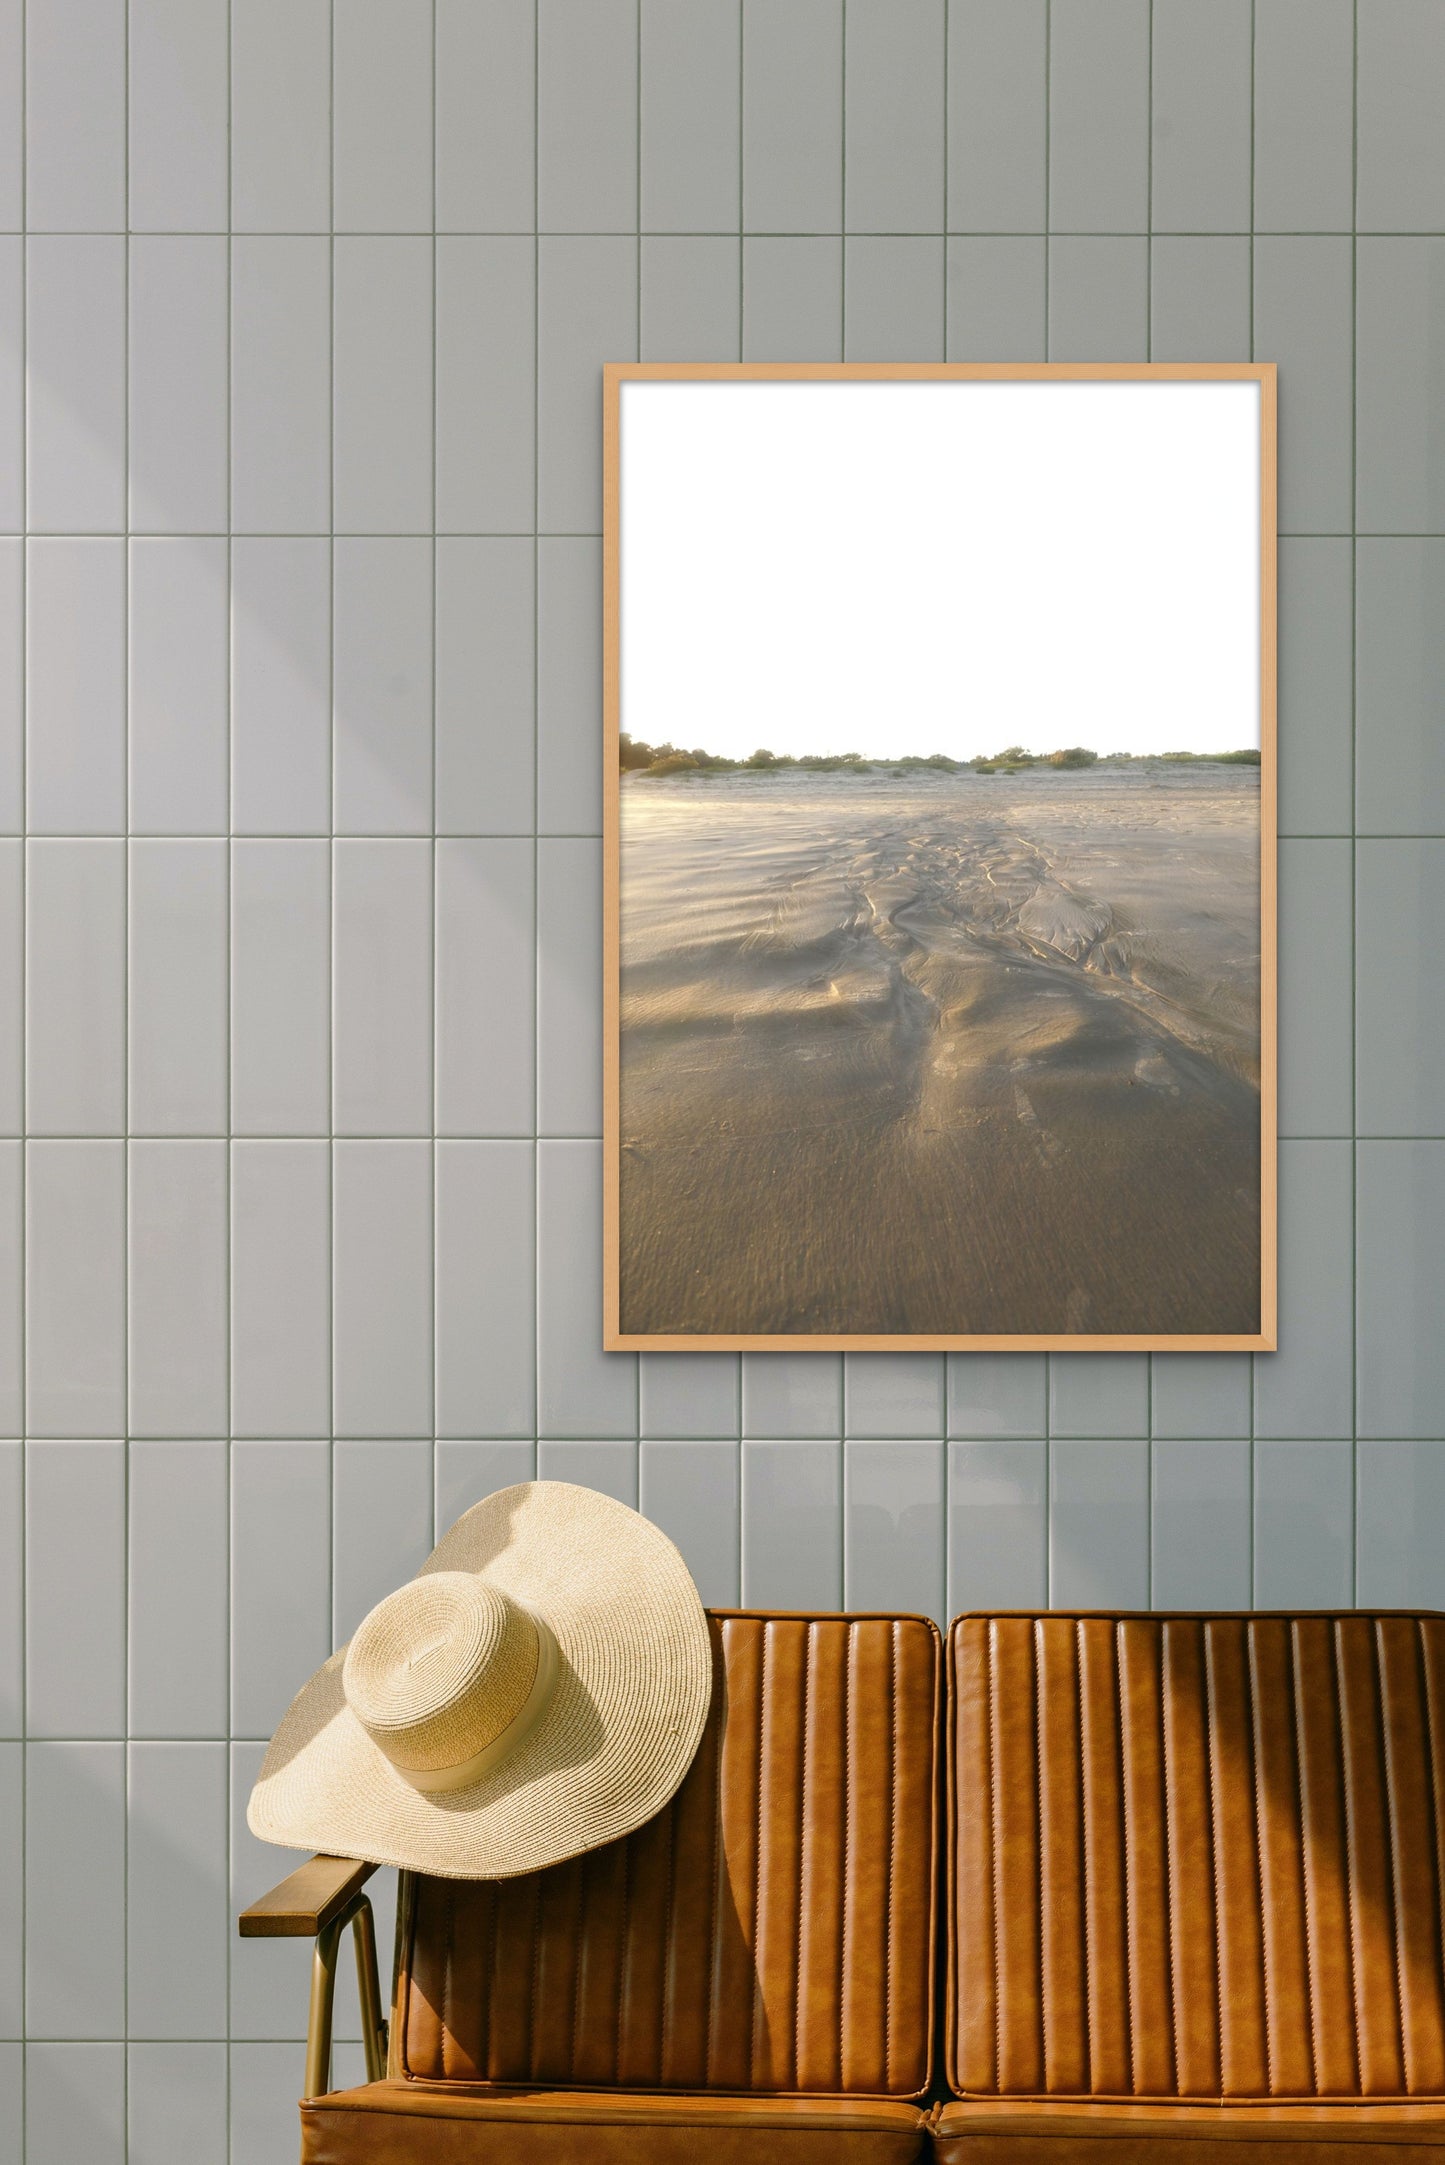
x=962, y=1054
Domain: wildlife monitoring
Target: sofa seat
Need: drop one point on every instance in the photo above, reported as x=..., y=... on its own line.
x=415, y=2123
x=1020, y=2131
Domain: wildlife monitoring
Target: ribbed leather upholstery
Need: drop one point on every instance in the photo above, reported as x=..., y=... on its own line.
x=1196, y=1858
x=773, y=1931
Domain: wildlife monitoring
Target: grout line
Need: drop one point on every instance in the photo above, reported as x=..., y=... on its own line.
x=943, y=289
x=1354, y=810
x=637, y=1358
x=333, y=735
x=463, y=1135
x=433, y=1250
x=511, y=533
x=1048, y=1499
x=125, y=1010
x=843, y=189
x=536, y=722
x=1149, y=355
x=23, y=1896
x=1149, y=317
x=706, y=233
x=1253, y=121
x=229, y=1264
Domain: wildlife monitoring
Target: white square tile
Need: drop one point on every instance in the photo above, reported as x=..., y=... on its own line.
x=74, y=2104
x=485, y=1288
x=75, y=1536
x=177, y=1923
x=581, y=1391
x=12, y=986
x=12, y=1892
x=997, y=1525
x=75, y=336
x=177, y=987
x=74, y=1288
x=486, y=343
x=177, y=117
x=12, y=380
x=12, y=683
x=280, y=115
x=12, y=1586
x=382, y=115
x=12, y=90
x=179, y=663
x=485, y=111
x=176, y=2104
x=75, y=115
x=75, y=981
x=280, y=987
x=383, y=687
x=693, y=1491
x=280, y=1585
x=12, y=1287
x=280, y=1288
x=178, y=377
x=176, y=1308
x=281, y=686
x=382, y=385
x=485, y=684
x=486, y=944
x=281, y=385
x=75, y=1891
x=75, y=688
x=383, y=1301
x=1098, y=1524
x=1200, y=1525
x=382, y=987
x=179, y=1573
x=895, y=1527
x=569, y=987
x=792, y=1525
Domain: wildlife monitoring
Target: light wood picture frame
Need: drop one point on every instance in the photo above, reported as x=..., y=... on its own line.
x=955, y=1038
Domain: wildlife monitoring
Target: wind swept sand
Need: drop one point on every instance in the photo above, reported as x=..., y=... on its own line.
x=941, y=1054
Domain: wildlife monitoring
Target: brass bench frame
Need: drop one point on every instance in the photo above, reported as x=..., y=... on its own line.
x=318, y=1901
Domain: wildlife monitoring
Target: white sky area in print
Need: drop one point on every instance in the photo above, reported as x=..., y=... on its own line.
x=894, y=568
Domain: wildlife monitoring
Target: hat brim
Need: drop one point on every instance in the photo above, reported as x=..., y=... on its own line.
x=616, y=1738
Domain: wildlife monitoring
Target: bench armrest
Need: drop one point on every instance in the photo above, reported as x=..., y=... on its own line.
x=307, y=1901
x=318, y=1901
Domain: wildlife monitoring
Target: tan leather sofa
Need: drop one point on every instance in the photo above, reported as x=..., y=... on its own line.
x=750, y=1976
x=1192, y=1891
x=1195, y=1889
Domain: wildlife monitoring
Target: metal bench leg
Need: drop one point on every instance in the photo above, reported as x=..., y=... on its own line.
x=357, y=1914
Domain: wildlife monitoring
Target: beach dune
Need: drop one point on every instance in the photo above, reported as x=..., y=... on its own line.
x=944, y=1053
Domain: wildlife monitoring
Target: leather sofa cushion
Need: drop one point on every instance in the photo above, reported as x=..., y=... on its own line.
x=1197, y=1857
x=773, y=1930
x=997, y=2131
x=410, y=2123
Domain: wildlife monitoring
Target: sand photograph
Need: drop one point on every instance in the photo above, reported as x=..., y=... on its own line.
x=940, y=858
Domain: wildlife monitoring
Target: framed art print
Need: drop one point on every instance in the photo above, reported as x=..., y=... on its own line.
x=939, y=856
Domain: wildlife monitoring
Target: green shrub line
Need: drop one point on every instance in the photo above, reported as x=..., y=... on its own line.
x=659, y=759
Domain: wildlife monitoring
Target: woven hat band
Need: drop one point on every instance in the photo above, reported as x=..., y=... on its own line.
x=440, y=1670
x=512, y=1738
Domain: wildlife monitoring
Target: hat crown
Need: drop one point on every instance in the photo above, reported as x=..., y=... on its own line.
x=440, y=1669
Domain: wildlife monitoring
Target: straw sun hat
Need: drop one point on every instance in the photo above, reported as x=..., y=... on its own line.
x=538, y=1688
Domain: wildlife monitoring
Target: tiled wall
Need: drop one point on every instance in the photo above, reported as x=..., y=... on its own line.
x=298, y=889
